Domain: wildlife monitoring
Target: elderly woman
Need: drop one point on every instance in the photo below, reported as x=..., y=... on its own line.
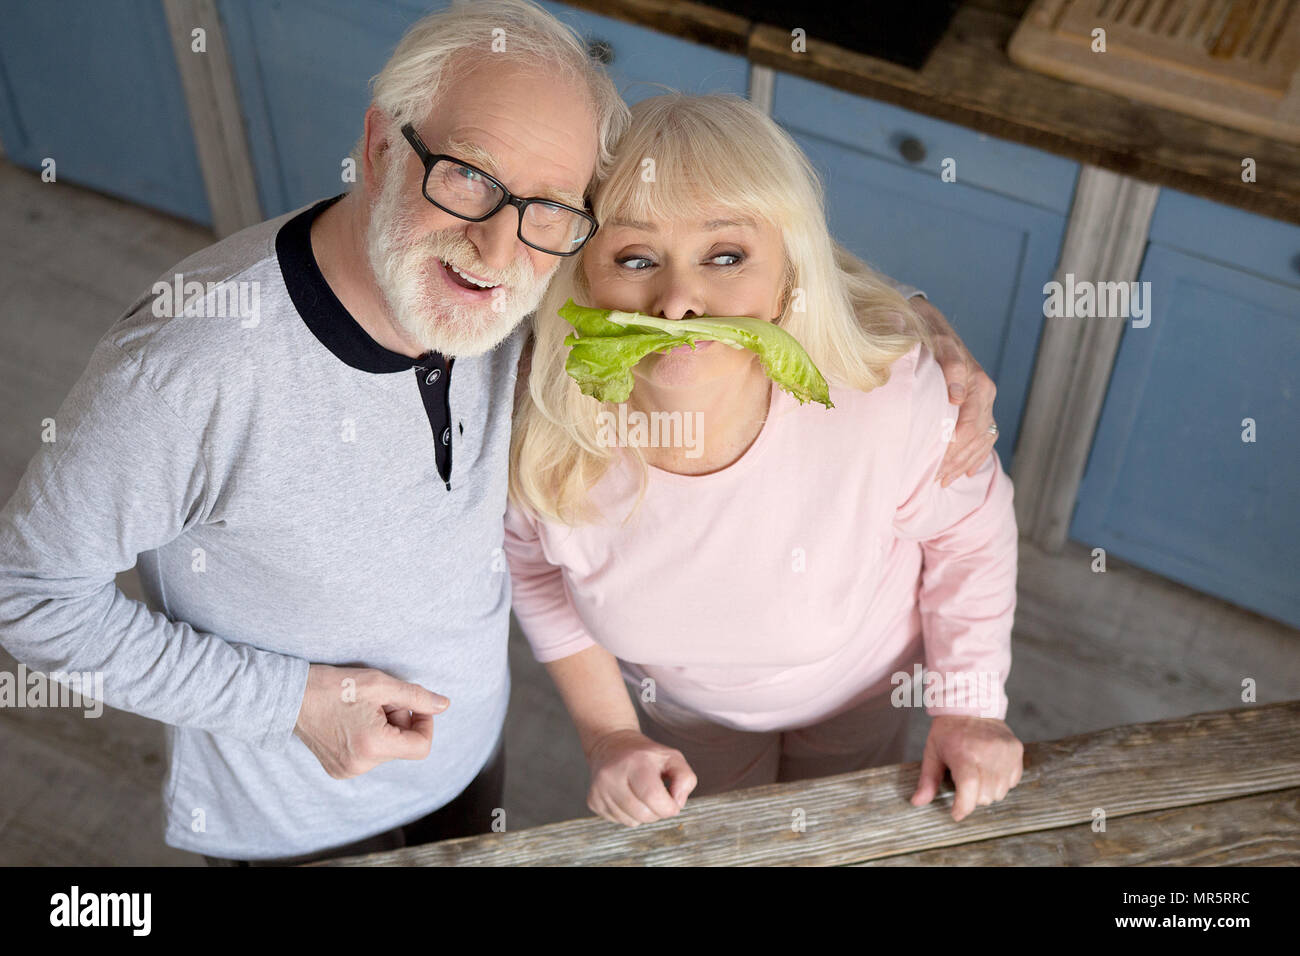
x=770, y=593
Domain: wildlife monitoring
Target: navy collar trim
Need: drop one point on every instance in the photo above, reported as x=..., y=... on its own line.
x=331, y=323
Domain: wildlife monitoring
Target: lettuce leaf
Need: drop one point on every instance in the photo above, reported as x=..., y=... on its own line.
x=609, y=343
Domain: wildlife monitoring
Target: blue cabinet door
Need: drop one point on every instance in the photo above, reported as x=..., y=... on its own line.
x=95, y=87
x=638, y=58
x=302, y=68
x=910, y=140
x=981, y=255
x=1170, y=484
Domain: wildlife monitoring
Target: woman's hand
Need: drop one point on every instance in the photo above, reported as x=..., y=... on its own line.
x=627, y=786
x=968, y=387
x=984, y=757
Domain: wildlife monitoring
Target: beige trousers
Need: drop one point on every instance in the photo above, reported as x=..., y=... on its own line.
x=869, y=734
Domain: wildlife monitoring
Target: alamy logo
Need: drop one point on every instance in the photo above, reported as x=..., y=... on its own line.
x=1102, y=300
x=102, y=909
x=926, y=688
x=215, y=300
x=30, y=688
x=635, y=429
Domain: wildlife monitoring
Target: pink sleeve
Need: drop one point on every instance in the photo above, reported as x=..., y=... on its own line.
x=541, y=601
x=969, y=538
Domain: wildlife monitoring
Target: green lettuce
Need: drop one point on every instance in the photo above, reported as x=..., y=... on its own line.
x=608, y=344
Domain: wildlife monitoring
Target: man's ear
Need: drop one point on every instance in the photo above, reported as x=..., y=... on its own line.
x=378, y=151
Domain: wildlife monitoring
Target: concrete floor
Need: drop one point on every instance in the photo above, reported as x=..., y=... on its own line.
x=1091, y=650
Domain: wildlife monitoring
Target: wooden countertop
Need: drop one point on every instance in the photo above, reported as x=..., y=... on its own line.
x=1210, y=789
x=970, y=80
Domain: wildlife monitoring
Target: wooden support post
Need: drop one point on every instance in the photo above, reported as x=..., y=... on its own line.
x=762, y=84
x=215, y=115
x=1105, y=240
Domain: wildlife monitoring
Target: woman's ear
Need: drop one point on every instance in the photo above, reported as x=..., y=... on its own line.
x=787, y=290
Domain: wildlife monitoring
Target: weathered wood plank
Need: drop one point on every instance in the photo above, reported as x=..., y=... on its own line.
x=697, y=22
x=1263, y=830
x=862, y=816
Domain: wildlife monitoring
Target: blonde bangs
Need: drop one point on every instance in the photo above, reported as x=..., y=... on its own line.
x=675, y=163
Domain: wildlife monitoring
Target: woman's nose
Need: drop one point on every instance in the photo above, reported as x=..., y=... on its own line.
x=677, y=298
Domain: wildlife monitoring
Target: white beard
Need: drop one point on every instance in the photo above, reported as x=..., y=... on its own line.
x=405, y=268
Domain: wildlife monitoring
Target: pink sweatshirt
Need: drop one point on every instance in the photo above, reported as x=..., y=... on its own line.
x=807, y=575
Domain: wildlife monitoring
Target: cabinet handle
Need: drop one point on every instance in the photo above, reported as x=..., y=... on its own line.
x=912, y=149
x=601, y=50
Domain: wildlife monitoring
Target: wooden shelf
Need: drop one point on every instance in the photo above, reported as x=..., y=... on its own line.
x=969, y=79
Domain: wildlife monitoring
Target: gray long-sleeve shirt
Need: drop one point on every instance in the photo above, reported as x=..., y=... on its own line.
x=274, y=470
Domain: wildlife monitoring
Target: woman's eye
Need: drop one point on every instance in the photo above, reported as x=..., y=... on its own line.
x=641, y=263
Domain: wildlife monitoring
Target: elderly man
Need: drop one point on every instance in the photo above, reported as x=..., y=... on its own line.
x=315, y=490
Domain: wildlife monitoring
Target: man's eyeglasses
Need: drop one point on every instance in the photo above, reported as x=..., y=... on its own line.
x=469, y=193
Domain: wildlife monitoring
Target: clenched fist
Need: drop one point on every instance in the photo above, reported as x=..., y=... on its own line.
x=355, y=718
x=627, y=779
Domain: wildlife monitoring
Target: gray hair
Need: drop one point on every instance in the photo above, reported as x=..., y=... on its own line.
x=411, y=83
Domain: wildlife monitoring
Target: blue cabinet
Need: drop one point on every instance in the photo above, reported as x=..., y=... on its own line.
x=302, y=70
x=638, y=58
x=981, y=247
x=100, y=94
x=1170, y=483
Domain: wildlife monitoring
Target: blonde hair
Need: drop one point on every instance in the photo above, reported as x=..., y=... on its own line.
x=454, y=42
x=718, y=150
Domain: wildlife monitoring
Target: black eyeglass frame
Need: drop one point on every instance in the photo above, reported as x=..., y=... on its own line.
x=507, y=197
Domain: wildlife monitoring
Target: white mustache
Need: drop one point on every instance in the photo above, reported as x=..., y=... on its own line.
x=433, y=247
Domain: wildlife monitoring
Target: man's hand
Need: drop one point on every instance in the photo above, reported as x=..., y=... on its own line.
x=984, y=757
x=970, y=388
x=355, y=718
